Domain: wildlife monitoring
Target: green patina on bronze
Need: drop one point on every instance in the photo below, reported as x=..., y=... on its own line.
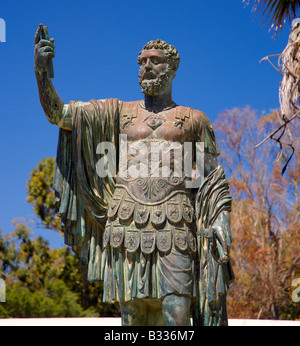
x=162, y=249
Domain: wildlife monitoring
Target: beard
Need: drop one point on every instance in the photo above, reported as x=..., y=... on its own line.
x=154, y=86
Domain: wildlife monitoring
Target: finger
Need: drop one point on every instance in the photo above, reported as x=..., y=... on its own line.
x=221, y=238
x=228, y=241
x=223, y=257
x=37, y=35
x=47, y=49
x=50, y=55
x=43, y=43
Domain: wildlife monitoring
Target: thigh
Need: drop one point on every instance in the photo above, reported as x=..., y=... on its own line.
x=176, y=310
x=175, y=271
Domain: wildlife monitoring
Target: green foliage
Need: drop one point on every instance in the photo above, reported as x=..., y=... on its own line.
x=55, y=300
x=41, y=282
x=41, y=193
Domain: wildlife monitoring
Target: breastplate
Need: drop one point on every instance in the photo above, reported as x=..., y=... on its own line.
x=152, y=160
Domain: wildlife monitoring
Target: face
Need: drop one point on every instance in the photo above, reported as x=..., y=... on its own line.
x=154, y=74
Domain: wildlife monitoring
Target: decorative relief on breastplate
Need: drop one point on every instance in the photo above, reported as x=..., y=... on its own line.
x=152, y=189
x=155, y=120
x=180, y=120
x=127, y=121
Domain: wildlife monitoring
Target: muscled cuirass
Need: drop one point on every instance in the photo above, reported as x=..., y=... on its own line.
x=151, y=207
x=152, y=157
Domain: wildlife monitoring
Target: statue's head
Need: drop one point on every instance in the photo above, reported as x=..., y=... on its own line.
x=158, y=62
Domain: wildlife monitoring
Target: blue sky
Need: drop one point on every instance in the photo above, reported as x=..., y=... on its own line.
x=97, y=42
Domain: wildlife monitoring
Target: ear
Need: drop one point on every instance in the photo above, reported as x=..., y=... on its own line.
x=174, y=68
x=173, y=71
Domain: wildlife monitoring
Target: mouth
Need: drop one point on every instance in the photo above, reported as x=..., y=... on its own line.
x=148, y=76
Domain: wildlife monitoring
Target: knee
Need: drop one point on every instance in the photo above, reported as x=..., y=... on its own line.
x=133, y=313
x=176, y=310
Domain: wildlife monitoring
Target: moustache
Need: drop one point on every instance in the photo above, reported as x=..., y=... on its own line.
x=148, y=75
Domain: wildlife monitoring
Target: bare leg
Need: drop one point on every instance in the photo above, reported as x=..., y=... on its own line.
x=134, y=313
x=155, y=316
x=176, y=310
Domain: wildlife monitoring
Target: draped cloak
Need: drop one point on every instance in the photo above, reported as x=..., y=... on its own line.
x=80, y=194
x=213, y=276
x=82, y=198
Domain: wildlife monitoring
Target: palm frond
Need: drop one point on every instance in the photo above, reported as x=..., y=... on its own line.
x=276, y=11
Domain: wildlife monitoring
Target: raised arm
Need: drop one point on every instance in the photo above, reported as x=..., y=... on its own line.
x=50, y=100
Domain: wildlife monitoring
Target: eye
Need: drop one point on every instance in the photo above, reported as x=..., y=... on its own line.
x=142, y=62
x=155, y=61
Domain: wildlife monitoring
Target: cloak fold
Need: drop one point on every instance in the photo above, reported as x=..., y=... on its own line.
x=213, y=277
x=80, y=194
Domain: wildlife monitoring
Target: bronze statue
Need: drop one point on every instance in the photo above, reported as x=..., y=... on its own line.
x=159, y=239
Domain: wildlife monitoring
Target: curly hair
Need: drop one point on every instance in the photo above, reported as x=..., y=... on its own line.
x=170, y=51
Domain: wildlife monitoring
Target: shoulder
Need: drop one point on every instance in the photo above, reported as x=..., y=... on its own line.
x=92, y=108
x=106, y=102
x=204, y=132
x=194, y=113
x=129, y=104
x=99, y=102
x=200, y=118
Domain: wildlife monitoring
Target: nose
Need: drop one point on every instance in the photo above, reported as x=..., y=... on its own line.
x=148, y=64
